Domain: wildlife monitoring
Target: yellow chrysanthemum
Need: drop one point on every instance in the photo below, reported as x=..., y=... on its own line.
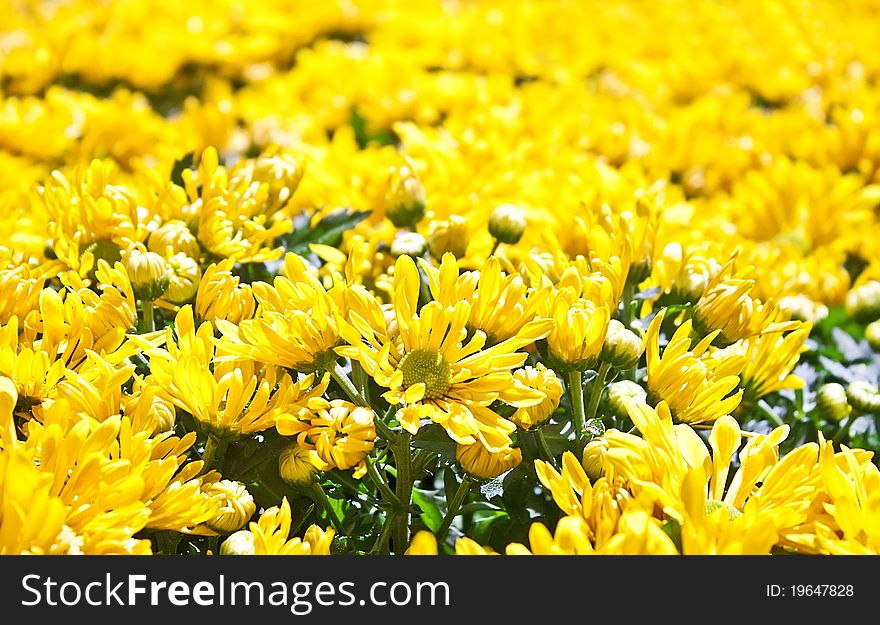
x=430, y=366
x=338, y=434
x=230, y=397
x=270, y=535
x=295, y=326
x=695, y=388
x=542, y=379
x=221, y=295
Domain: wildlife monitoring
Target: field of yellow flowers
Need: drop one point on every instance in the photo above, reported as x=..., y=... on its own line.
x=439, y=277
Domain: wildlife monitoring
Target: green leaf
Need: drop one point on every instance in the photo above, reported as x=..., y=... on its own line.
x=328, y=231
x=430, y=510
x=435, y=438
x=450, y=483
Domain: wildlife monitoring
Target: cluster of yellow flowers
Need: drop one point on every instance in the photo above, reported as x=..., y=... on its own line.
x=255, y=251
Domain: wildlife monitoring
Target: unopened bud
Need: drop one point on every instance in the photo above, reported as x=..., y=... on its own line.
x=237, y=506
x=507, y=223
x=148, y=272
x=619, y=392
x=295, y=466
x=832, y=401
x=872, y=334
x=404, y=197
x=174, y=237
x=594, y=458
x=408, y=244
x=863, y=302
x=241, y=543
x=184, y=281
x=451, y=236
x=622, y=348
x=483, y=464
x=863, y=396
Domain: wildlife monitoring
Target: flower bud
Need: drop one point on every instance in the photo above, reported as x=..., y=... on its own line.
x=404, y=197
x=408, y=244
x=872, y=334
x=863, y=396
x=832, y=401
x=507, y=223
x=237, y=506
x=241, y=543
x=863, y=302
x=620, y=391
x=803, y=308
x=594, y=458
x=543, y=379
x=449, y=236
x=483, y=464
x=184, y=281
x=295, y=466
x=174, y=237
x=148, y=272
x=622, y=348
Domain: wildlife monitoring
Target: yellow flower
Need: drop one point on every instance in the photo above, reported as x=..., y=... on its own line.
x=500, y=303
x=90, y=217
x=221, y=296
x=424, y=543
x=769, y=361
x=430, y=366
x=449, y=237
x=295, y=326
x=230, y=397
x=851, y=525
x=728, y=306
x=148, y=272
x=542, y=379
x=579, y=329
x=174, y=237
x=339, y=434
x=270, y=535
x=483, y=464
x=695, y=388
x=238, y=214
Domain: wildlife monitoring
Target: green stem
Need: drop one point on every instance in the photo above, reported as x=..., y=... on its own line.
x=627, y=320
x=347, y=385
x=403, y=489
x=596, y=387
x=214, y=453
x=495, y=247
x=321, y=498
x=381, y=483
x=844, y=427
x=544, y=447
x=576, y=391
x=629, y=291
x=148, y=323
x=381, y=544
x=384, y=431
x=361, y=379
x=453, y=507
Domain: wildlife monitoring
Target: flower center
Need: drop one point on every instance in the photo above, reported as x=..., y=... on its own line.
x=713, y=504
x=428, y=366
